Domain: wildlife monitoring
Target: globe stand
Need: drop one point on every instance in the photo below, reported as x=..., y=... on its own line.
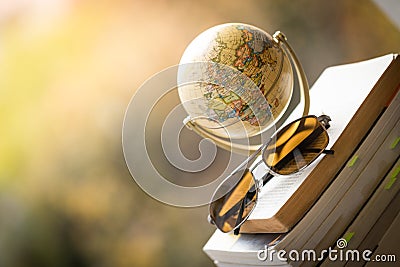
x=279, y=38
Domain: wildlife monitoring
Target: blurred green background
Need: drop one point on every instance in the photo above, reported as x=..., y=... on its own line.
x=67, y=72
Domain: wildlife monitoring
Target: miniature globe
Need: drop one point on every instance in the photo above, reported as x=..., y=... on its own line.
x=228, y=107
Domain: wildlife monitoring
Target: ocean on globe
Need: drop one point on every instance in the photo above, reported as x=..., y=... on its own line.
x=244, y=84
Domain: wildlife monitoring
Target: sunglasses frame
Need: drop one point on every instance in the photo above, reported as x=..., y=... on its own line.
x=259, y=183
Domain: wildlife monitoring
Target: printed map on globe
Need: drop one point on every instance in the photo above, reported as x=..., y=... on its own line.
x=227, y=99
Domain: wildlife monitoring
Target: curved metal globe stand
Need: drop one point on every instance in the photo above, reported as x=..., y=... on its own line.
x=279, y=38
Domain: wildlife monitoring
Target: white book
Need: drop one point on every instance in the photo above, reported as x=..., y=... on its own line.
x=312, y=228
x=350, y=204
x=242, y=249
x=370, y=214
x=388, y=247
x=376, y=235
x=353, y=95
x=228, y=264
x=374, y=239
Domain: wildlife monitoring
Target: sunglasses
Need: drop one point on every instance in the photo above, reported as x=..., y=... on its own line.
x=291, y=149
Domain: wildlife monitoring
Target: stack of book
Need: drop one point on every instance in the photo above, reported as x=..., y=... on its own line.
x=343, y=205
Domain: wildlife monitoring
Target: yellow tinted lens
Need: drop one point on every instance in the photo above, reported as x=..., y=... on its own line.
x=296, y=146
x=225, y=210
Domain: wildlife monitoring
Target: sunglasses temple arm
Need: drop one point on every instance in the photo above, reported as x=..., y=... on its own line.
x=328, y=151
